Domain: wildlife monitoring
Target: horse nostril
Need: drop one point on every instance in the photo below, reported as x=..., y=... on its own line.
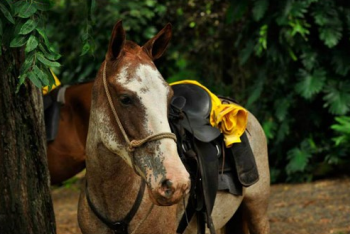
x=167, y=187
x=167, y=183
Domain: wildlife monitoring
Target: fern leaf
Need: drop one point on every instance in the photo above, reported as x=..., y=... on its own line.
x=298, y=160
x=299, y=8
x=337, y=98
x=309, y=59
x=310, y=84
x=259, y=9
x=340, y=63
x=281, y=108
x=331, y=35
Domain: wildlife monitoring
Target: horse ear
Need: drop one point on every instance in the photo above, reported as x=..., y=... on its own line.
x=156, y=46
x=116, y=42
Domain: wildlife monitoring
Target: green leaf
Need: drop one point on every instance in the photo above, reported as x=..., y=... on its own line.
x=27, y=10
x=43, y=5
x=91, y=4
x=21, y=78
x=298, y=8
x=47, y=62
x=27, y=64
x=28, y=27
x=18, y=41
x=9, y=3
x=259, y=9
x=32, y=43
x=269, y=128
x=337, y=97
x=340, y=62
x=235, y=11
x=42, y=76
x=309, y=59
x=281, y=108
x=85, y=49
x=6, y=13
x=283, y=131
x=310, y=84
x=298, y=160
x=49, y=55
x=17, y=5
x=256, y=92
x=246, y=52
x=43, y=35
x=330, y=36
x=34, y=79
x=342, y=126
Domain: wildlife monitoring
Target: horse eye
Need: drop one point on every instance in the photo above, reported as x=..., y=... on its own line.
x=125, y=100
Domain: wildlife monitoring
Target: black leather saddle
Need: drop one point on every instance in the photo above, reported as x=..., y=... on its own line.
x=211, y=165
x=195, y=103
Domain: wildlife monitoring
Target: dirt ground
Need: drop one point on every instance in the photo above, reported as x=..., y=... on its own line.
x=321, y=207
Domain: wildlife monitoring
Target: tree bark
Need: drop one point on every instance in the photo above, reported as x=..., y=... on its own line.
x=25, y=201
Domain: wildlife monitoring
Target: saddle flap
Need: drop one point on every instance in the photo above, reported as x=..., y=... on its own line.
x=197, y=108
x=245, y=162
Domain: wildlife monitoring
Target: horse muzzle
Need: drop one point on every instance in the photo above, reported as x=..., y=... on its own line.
x=170, y=192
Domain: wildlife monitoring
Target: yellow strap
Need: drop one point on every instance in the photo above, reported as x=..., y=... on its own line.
x=231, y=119
x=55, y=85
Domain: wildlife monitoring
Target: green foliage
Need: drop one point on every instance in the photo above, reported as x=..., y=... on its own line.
x=306, y=68
x=286, y=61
x=342, y=129
x=80, y=31
x=25, y=27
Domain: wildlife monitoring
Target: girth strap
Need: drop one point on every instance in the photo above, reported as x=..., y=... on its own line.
x=121, y=226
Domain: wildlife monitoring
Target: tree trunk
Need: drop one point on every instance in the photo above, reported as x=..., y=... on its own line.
x=25, y=201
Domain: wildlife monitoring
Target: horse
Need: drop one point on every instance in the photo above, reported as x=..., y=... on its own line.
x=130, y=146
x=66, y=153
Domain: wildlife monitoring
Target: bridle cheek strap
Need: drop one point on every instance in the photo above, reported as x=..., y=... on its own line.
x=132, y=145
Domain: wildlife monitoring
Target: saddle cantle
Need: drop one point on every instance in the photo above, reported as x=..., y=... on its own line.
x=202, y=152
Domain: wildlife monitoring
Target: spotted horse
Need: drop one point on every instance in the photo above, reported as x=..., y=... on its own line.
x=135, y=179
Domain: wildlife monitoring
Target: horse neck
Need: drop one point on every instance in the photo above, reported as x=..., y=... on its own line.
x=112, y=183
x=78, y=98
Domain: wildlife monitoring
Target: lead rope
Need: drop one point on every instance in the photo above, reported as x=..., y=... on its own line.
x=134, y=143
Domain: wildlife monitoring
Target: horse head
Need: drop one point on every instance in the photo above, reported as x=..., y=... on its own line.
x=136, y=95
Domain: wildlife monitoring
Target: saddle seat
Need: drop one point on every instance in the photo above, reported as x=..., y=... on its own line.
x=195, y=103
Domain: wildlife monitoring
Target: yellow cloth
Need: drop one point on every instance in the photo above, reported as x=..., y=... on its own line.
x=230, y=119
x=57, y=83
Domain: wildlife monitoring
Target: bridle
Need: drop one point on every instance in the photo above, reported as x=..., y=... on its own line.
x=133, y=144
x=121, y=227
